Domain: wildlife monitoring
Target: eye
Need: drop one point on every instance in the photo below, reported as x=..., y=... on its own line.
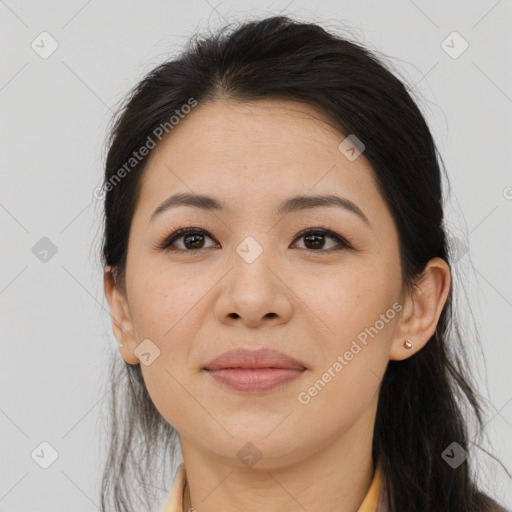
x=315, y=238
x=193, y=239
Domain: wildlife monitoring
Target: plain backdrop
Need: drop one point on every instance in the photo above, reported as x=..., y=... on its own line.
x=54, y=111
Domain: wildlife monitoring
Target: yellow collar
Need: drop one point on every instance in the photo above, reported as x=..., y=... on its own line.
x=370, y=502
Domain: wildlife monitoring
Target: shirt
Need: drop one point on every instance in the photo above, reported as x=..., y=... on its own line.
x=372, y=502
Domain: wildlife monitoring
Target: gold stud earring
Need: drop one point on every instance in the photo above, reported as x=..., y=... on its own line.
x=407, y=344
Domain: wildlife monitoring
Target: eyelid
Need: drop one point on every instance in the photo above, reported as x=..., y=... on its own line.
x=176, y=234
x=344, y=243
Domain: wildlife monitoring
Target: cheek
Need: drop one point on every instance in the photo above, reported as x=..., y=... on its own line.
x=165, y=385
x=354, y=331
x=168, y=312
x=355, y=315
x=169, y=316
x=166, y=304
x=355, y=302
x=335, y=400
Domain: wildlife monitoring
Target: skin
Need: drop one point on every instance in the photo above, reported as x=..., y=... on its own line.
x=314, y=456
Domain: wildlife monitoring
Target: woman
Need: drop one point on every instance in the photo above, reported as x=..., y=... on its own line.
x=278, y=273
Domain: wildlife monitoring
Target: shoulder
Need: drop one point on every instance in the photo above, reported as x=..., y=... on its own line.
x=496, y=507
x=492, y=505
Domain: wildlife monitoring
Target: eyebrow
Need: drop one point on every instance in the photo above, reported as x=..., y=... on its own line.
x=293, y=204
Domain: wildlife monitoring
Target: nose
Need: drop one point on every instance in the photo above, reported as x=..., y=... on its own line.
x=255, y=293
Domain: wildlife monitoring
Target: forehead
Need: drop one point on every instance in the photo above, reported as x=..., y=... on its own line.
x=265, y=150
x=284, y=127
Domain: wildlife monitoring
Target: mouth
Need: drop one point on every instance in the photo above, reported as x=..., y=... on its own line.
x=255, y=380
x=254, y=371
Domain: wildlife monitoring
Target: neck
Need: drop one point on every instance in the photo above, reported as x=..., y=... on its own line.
x=335, y=478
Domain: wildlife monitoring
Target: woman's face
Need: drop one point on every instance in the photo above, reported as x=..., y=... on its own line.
x=251, y=281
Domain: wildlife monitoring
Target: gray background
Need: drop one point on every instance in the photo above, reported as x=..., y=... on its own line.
x=56, y=331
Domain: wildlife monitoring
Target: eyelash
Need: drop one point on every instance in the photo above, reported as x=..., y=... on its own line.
x=166, y=244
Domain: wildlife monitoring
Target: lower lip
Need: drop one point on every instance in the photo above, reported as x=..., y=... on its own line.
x=254, y=380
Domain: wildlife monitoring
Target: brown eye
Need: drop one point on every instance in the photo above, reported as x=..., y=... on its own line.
x=314, y=240
x=193, y=240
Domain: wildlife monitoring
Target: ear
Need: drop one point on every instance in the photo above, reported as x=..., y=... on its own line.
x=121, y=319
x=422, y=310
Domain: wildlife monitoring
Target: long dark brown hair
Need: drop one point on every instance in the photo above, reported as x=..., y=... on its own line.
x=427, y=401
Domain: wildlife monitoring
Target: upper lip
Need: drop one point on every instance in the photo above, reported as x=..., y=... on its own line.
x=251, y=358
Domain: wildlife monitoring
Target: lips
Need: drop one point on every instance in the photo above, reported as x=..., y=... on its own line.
x=254, y=371
x=261, y=358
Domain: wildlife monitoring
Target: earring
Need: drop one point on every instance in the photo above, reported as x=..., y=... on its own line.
x=407, y=344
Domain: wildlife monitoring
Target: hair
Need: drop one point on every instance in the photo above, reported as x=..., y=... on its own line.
x=425, y=402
